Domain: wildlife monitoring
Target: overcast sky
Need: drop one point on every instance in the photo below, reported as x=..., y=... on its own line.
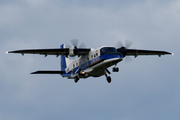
x=145, y=89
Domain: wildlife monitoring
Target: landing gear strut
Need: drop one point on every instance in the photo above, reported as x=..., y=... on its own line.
x=115, y=69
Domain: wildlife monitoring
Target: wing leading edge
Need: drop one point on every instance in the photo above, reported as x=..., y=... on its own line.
x=47, y=72
x=136, y=52
x=57, y=52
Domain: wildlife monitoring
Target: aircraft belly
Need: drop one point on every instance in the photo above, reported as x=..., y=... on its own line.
x=97, y=73
x=99, y=69
x=96, y=69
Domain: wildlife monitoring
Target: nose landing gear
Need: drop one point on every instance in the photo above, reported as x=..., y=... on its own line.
x=115, y=69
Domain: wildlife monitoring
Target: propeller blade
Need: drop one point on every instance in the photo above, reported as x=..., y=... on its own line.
x=128, y=59
x=128, y=43
x=119, y=44
x=67, y=46
x=82, y=45
x=75, y=42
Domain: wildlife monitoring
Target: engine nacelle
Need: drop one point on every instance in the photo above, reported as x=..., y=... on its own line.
x=72, y=51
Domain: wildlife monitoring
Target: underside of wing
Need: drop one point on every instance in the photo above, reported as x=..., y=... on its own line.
x=136, y=52
x=47, y=72
x=57, y=52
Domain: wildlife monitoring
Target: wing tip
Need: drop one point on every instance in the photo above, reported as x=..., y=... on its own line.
x=33, y=72
x=47, y=72
x=169, y=53
x=7, y=52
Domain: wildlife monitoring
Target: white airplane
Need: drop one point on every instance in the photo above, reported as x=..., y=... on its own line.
x=90, y=62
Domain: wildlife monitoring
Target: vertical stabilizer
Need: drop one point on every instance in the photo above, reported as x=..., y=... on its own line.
x=63, y=60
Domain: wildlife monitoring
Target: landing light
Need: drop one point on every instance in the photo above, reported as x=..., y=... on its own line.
x=82, y=72
x=7, y=52
x=172, y=53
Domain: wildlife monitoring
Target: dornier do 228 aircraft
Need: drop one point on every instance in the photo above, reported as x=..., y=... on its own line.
x=90, y=62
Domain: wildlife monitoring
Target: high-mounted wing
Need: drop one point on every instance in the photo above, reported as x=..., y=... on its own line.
x=57, y=52
x=45, y=52
x=136, y=52
x=47, y=72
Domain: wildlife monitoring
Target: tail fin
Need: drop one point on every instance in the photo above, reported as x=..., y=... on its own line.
x=63, y=60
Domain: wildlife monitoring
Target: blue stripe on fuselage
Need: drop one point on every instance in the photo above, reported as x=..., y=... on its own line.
x=90, y=62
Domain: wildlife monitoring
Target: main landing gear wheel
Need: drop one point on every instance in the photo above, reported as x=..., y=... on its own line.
x=76, y=79
x=115, y=69
x=108, y=79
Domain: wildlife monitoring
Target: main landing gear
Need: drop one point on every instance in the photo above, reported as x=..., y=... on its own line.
x=76, y=79
x=108, y=78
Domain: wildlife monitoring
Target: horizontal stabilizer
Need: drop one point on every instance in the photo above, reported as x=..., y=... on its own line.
x=47, y=72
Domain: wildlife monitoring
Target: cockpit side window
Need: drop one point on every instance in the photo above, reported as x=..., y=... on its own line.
x=107, y=50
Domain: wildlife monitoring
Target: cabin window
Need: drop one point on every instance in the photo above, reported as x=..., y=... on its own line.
x=96, y=54
x=76, y=64
x=73, y=65
x=91, y=56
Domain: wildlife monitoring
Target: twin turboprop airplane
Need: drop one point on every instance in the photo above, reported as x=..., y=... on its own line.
x=90, y=62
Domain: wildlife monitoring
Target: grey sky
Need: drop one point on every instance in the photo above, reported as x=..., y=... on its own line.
x=147, y=88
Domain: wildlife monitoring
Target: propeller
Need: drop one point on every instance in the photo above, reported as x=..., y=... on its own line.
x=73, y=50
x=82, y=45
x=75, y=43
x=128, y=44
x=124, y=48
x=128, y=59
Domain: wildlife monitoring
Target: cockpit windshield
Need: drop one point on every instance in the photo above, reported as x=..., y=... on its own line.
x=108, y=50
